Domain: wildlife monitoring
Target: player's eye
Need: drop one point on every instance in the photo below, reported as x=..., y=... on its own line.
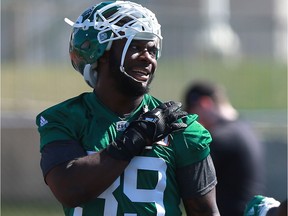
x=153, y=51
x=140, y=49
x=134, y=48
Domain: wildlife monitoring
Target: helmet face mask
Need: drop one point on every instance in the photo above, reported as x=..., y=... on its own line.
x=96, y=29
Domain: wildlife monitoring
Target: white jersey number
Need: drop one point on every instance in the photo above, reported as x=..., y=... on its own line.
x=130, y=186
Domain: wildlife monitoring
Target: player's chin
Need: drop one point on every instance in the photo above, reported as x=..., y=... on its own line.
x=145, y=84
x=142, y=87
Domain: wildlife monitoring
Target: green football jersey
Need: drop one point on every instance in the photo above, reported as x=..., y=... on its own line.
x=148, y=185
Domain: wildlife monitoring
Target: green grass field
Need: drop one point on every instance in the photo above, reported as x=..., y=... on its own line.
x=31, y=208
x=250, y=85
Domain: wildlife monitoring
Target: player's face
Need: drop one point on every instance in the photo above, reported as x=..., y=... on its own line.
x=140, y=63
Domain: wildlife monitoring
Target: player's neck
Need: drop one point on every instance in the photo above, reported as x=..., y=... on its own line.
x=117, y=102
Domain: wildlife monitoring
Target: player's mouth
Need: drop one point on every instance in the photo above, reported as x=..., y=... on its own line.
x=140, y=75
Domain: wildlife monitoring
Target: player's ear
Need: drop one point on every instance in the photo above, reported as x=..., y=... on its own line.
x=206, y=102
x=103, y=62
x=104, y=58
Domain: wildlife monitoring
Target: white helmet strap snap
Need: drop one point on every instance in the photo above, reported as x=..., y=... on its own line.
x=90, y=76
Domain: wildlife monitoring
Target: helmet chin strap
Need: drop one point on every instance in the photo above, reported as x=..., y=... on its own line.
x=122, y=69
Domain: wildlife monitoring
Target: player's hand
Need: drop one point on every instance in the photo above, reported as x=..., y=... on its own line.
x=161, y=121
x=149, y=128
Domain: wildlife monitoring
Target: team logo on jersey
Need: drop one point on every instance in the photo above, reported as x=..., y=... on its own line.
x=43, y=121
x=121, y=125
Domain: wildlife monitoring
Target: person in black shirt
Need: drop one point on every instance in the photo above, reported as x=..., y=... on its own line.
x=235, y=149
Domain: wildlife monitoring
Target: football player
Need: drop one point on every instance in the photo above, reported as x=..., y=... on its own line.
x=118, y=150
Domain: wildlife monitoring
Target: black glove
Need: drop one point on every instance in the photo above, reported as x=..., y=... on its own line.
x=149, y=128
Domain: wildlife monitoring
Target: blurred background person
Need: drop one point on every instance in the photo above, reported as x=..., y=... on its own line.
x=236, y=150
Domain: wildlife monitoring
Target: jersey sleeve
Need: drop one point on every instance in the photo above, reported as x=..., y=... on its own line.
x=55, y=125
x=192, y=144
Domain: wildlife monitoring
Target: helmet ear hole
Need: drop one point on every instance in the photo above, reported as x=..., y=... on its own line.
x=86, y=45
x=90, y=75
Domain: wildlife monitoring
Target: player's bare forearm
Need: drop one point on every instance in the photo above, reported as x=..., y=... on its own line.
x=202, y=206
x=80, y=180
